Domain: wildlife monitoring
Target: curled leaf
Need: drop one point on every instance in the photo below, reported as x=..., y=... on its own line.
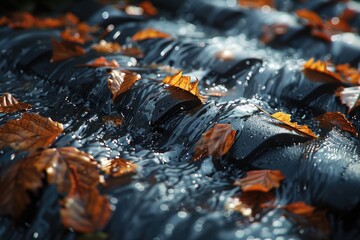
x=348, y=74
x=29, y=133
x=16, y=182
x=65, y=50
x=106, y=47
x=120, y=82
x=312, y=18
x=349, y=96
x=149, y=33
x=118, y=167
x=285, y=118
x=9, y=104
x=260, y=180
x=85, y=214
x=216, y=142
x=102, y=62
x=331, y=119
x=318, y=71
x=299, y=208
x=183, y=82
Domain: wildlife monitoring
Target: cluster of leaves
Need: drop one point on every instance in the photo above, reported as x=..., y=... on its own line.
x=258, y=195
x=76, y=174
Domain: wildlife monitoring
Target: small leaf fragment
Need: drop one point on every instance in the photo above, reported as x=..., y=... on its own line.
x=65, y=50
x=102, y=62
x=120, y=82
x=9, y=104
x=106, y=47
x=260, y=180
x=216, y=142
x=256, y=3
x=349, y=96
x=29, y=133
x=331, y=119
x=148, y=8
x=149, y=33
x=299, y=208
x=118, y=167
x=286, y=119
x=183, y=82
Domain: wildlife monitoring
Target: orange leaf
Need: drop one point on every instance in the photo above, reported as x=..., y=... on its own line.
x=216, y=142
x=260, y=180
x=102, y=62
x=313, y=18
x=132, y=52
x=70, y=169
x=256, y=3
x=184, y=83
x=148, y=8
x=317, y=71
x=85, y=214
x=48, y=23
x=285, y=118
x=331, y=119
x=120, y=82
x=106, y=47
x=272, y=31
x=3, y=20
x=299, y=208
x=113, y=120
x=24, y=20
x=149, y=33
x=348, y=74
x=118, y=167
x=9, y=104
x=65, y=50
x=70, y=35
x=349, y=96
x=16, y=182
x=29, y=133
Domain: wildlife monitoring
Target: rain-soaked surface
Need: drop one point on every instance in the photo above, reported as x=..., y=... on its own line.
x=171, y=196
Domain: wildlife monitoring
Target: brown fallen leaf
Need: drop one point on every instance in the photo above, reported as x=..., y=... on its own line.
x=148, y=8
x=286, y=119
x=216, y=142
x=331, y=119
x=183, y=82
x=9, y=104
x=120, y=82
x=312, y=18
x=107, y=47
x=68, y=168
x=4, y=20
x=299, y=208
x=19, y=180
x=149, y=33
x=260, y=180
x=117, y=167
x=318, y=71
x=102, y=62
x=256, y=3
x=87, y=213
x=273, y=31
x=113, y=120
x=349, y=96
x=348, y=74
x=29, y=133
x=132, y=52
x=65, y=50
x=21, y=20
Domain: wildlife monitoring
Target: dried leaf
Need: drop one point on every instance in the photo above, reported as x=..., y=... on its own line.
x=149, y=33
x=120, y=82
x=260, y=180
x=348, y=74
x=349, y=96
x=285, y=118
x=3, y=20
x=106, y=47
x=299, y=208
x=85, y=214
x=22, y=20
x=113, y=120
x=184, y=83
x=132, y=52
x=70, y=169
x=148, y=8
x=313, y=19
x=317, y=71
x=118, y=167
x=216, y=142
x=102, y=62
x=65, y=50
x=331, y=119
x=9, y=104
x=29, y=133
x=256, y=3
x=19, y=180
